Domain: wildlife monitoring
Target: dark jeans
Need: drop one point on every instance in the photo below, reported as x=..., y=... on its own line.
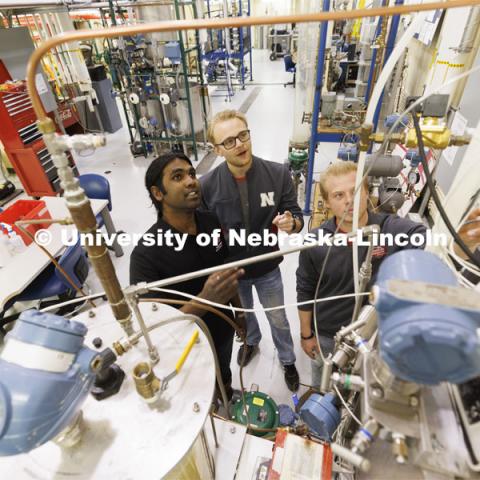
x=327, y=345
x=222, y=334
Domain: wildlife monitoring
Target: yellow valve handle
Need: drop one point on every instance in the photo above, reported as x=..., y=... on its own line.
x=185, y=353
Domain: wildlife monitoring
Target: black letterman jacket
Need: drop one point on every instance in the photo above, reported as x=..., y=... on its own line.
x=270, y=191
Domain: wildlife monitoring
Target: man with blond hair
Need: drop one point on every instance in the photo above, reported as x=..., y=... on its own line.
x=337, y=186
x=252, y=195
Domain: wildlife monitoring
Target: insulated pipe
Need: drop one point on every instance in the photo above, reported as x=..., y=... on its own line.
x=316, y=108
x=35, y=4
x=120, y=3
x=79, y=4
x=388, y=50
x=366, y=270
x=81, y=212
x=373, y=61
x=457, y=37
x=376, y=94
x=468, y=38
x=226, y=33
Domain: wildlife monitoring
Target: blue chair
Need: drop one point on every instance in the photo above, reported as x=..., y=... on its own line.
x=52, y=283
x=96, y=187
x=290, y=67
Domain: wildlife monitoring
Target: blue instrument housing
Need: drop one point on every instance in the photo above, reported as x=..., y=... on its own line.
x=37, y=402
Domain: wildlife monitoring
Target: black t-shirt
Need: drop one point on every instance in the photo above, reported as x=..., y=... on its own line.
x=149, y=263
x=244, y=203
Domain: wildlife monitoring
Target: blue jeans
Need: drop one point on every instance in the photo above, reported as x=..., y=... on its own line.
x=327, y=345
x=270, y=293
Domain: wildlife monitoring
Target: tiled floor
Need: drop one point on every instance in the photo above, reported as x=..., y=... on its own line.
x=270, y=121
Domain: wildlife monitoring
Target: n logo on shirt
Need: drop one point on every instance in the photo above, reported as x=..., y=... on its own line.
x=267, y=199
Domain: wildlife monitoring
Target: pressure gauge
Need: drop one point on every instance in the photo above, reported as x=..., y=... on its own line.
x=164, y=98
x=413, y=177
x=134, y=98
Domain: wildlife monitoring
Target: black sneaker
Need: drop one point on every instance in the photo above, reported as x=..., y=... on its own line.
x=291, y=377
x=249, y=354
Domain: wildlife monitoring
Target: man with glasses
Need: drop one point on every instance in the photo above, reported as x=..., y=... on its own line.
x=252, y=195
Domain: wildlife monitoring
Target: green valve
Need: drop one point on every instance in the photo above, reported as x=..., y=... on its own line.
x=297, y=158
x=262, y=412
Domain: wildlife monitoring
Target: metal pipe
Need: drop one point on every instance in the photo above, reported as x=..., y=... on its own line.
x=368, y=230
x=169, y=26
x=316, y=108
x=388, y=50
x=373, y=61
x=367, y=317
x=468, y=38
x=365, y=270
x=353, y=458
x=378, y=89
x=152, y=350
x=36, y=4
x=81, y=213
x=236, y=264
x=78, y=4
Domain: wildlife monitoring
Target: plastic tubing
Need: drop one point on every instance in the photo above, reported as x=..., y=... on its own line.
x=372, y=105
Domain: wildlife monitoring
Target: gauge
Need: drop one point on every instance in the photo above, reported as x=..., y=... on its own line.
x=413, y=177
x=164, y=98
x=134, y=98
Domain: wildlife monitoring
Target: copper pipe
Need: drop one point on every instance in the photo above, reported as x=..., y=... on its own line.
x=203, y=306
x=199, y=24
x=61, y=221
x=55, y=262
x=98, y=255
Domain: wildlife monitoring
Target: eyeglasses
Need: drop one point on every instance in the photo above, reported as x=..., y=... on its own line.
x=230, y=142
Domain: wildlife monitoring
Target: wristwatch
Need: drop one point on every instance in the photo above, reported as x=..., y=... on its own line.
x=307, y=338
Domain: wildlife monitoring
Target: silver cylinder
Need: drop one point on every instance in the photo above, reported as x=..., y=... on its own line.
x=369, y=314
x=470, y=32
x=326, y=374
x=384, y=165
x=197, y=111
x=152, y=12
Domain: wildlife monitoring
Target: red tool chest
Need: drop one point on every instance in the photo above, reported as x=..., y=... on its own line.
x=23, y=142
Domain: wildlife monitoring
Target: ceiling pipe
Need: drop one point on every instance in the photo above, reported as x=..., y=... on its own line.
x=78, y=4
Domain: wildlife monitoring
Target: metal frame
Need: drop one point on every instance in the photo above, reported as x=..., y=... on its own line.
x=225, y=54
x=134, y=128
x=334, y=137
x=392, y=35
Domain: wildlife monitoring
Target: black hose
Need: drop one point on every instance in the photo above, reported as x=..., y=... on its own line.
x=433, y=192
